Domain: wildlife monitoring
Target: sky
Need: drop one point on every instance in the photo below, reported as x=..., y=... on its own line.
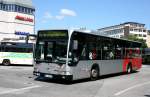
x=89, y=14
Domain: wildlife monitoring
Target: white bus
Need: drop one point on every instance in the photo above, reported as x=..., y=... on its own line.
x=74, y=54
x=16, y=53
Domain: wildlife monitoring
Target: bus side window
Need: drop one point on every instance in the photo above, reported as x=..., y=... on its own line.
x=75, y=49
x=84, y=53
x=129, y=52
x=93, y=54
x=98, y=49
x=107, y=53
x=137, y=53
x=118, y=52
x=92, y=51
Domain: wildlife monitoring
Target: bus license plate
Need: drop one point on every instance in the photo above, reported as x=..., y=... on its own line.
x=49, y=76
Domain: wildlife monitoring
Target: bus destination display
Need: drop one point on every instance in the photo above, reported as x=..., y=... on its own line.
x=51, y=34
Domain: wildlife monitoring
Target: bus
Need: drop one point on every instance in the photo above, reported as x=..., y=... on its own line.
x=16, y=53
x=78, y=54
x=146, y=56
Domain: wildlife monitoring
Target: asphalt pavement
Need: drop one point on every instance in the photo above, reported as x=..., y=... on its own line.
x=18, y=81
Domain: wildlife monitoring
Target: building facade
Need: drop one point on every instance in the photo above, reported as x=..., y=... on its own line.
x=17, y=20
x=125, y=29
x=148, y=39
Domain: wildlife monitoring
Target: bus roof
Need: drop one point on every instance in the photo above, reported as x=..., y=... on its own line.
x=96, y=33
x=91, y=32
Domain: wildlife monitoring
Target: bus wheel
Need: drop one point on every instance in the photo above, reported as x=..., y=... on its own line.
x=94, y=73
x=129, y=69
x=6, y=62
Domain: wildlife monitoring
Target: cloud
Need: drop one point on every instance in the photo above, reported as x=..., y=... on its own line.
x=67, y=12
x=47, y=15
x=63, y=13
x=43, y=21
x=60, y=17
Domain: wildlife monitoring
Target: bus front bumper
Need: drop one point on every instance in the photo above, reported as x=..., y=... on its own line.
x=53, y=76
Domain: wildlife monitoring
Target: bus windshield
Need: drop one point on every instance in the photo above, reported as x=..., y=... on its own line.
x=51, y=47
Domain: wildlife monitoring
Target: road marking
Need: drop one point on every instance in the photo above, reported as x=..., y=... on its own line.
x=19, y=90
x=2, y=89
x=130, y=88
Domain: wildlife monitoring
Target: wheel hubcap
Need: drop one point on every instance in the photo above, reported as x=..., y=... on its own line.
x=6, y=63
x=129, y=69
x=94, y=73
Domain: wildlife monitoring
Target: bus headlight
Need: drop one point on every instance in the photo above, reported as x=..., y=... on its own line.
x=65, y=73
x=36, y=69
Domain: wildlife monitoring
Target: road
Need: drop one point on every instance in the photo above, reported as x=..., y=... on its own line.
x=17, y=81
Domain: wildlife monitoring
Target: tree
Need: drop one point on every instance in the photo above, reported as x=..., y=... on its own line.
x=135, y=38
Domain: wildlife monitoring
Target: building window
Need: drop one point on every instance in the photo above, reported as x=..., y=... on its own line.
x=12, y=7
x=121, y=36
x=140, y=30
x=136, y=30
x=140, y=35
x=3, y=7
x=144, y=35
x=136, y=35
x=131, y=29
x=144, y=30
x=16, y=8
x=141, y=26
x=0, y=6
x=9, y=7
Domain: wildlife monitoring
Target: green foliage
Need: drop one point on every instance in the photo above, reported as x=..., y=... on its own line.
x=135, y=38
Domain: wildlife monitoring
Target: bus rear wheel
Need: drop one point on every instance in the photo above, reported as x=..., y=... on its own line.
x=94, y=73
x=6, y=62
x=129, y=69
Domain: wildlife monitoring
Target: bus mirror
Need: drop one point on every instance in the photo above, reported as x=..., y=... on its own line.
x=75, y=45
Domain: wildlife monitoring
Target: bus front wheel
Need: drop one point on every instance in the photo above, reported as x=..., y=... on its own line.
x=6, y=62
x=94, y=73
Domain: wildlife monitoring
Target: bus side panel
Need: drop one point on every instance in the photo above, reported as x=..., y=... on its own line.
x=19, y=58
x=136, y=63
x=45, y=68
x=140, y=63
x=50, y=68
x=110, y=66
x=125, y=64
x=81, y=70
x=1, y=57
x=21, y=61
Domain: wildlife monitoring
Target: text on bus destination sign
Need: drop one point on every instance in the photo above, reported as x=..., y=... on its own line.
x=52, y=34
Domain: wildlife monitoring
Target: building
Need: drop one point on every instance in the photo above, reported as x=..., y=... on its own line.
x=124, y=29
x=17, y=20
x=148, y=39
